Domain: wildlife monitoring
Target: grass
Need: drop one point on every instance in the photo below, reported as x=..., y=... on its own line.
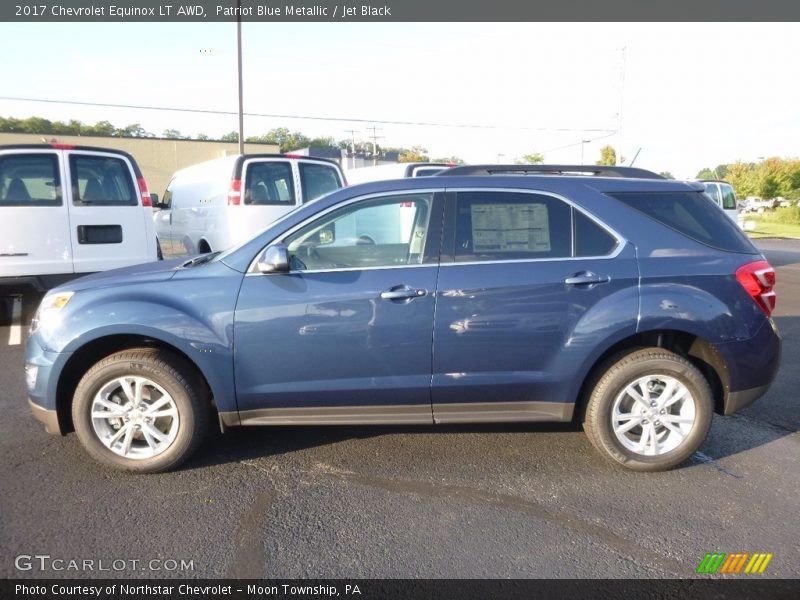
x=769, y=228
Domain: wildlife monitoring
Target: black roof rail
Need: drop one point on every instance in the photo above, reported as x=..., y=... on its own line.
x=594, y=170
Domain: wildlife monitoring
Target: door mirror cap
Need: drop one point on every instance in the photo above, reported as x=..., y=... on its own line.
x=275, y=259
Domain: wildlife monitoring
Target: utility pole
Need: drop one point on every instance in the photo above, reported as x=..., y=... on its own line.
x=621, y=99
x=352, y=133
x=239, y=61
x=375, y=139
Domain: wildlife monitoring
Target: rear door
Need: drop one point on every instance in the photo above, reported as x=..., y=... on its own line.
x=107, y=220
x=532, y=283
x=34, y=222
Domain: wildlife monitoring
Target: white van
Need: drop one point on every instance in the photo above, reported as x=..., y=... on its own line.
x=70, y=210
x=394, y=171
x=722, y=193
x=215, y=204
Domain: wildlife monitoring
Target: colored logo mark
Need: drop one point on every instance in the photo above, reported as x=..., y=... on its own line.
x=741, y=562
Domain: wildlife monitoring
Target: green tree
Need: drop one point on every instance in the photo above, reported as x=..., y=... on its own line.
x=705, y=173
x=667, y=175
x=133, y=130
x=202, y=137
x=101, y=128
x=742, y=177
x=414, y=154
x=534, y=158
x=172, y=134
x=608, y=156
x=233, y=136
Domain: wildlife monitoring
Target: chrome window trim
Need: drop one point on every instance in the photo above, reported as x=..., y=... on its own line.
x=621, y=241
x=253, y=268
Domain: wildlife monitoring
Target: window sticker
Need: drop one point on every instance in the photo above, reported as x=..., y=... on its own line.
x=510, y=228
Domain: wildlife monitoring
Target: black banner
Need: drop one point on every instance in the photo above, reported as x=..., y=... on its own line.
x=398, y=10
x=374, y=589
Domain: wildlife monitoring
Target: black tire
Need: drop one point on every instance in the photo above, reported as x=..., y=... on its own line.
x=609, y=384
x=183, y=386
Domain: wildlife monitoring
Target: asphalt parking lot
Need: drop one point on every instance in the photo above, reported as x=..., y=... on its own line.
x=369, y=502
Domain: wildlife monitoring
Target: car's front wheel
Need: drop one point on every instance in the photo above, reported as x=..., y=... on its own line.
x=649, y=410
x=141, y=410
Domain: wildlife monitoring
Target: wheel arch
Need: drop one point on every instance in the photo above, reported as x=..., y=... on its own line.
x=692, y=347
x=95, y=350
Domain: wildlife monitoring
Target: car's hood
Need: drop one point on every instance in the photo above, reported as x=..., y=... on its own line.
x=145, y=273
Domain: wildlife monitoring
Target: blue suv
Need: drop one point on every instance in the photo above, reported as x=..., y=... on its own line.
x=606, y=295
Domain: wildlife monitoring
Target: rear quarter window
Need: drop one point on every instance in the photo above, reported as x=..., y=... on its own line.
x=691, y=214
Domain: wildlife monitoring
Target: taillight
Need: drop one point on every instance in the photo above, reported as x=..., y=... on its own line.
x=144, y=192
x=758, y=280
x=63, y=146
x=235, y=192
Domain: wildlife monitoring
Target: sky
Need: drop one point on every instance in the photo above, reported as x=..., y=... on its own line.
x=678, y=97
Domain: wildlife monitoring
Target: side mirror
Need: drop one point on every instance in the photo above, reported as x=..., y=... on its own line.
x=275, y=259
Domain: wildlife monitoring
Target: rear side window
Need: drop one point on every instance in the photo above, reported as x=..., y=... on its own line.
x=101, y=181
x=493, y=226
x=511, y=226
x=691, y=214
x=29, y=180
x=318, y=180
x=269, y=184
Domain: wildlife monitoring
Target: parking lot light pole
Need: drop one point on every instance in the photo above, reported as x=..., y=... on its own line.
x=239, y=62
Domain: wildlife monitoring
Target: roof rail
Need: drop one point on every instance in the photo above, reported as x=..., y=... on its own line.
x=594, y=170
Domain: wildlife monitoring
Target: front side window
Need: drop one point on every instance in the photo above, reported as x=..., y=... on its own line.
x=29, y=180
x=166, y=201
x=317, y=180
x=374, y=233
x=101, y=181
x=269, y=183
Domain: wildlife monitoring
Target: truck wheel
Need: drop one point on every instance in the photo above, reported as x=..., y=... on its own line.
x=649, y=410
x=142, y=410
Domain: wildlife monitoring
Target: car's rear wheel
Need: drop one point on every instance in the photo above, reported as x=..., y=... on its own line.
x=649, y=410
x=141, y=410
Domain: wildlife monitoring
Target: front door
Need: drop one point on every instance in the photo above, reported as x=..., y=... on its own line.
x=345, y=336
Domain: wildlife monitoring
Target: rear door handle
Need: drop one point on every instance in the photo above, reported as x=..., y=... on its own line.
x=402, y=293
x=586, y=278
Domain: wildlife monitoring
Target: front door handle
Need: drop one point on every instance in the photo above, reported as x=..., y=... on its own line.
x=586, y=278
x=402, y=293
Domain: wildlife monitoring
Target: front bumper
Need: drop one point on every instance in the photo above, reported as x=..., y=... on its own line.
x=49, y=418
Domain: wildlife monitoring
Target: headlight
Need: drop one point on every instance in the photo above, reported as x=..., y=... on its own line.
x=49, y=309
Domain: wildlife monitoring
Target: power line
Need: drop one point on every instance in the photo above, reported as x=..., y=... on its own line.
x=306, y=117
